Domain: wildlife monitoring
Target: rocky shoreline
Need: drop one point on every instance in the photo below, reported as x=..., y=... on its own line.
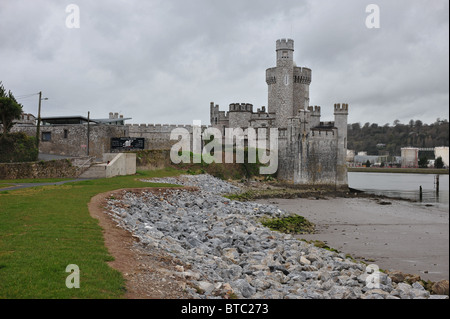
x=225, y=252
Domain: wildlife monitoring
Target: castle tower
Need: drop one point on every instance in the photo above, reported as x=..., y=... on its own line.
x=288, y=85
x=315, y=115
x=340, y=122
x=239, y=114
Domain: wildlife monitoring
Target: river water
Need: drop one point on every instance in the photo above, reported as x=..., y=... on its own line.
x=403, y=185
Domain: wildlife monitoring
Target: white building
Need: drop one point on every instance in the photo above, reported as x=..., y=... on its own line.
x=410, y=157
x=442, y=151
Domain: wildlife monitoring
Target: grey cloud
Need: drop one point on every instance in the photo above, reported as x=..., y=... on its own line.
x=164, y=61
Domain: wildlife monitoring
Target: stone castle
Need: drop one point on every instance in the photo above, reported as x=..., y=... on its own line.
x=309, y=151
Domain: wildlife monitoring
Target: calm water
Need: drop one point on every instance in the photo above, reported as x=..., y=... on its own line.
x=402, y=185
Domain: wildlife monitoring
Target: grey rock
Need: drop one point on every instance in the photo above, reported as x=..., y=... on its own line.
x=206, y=286
x=232, y=272
x=244, y=288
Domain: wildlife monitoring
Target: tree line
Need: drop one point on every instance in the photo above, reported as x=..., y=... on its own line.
x=389, y=139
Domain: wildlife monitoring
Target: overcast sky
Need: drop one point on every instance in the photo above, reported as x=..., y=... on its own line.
x=165, y=61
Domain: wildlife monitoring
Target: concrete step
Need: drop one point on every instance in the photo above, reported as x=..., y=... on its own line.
x=95, y=171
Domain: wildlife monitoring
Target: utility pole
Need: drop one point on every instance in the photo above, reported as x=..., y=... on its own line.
x=87, y=146
x=38, y=128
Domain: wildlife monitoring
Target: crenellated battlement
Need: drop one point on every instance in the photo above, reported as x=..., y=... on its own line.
x=285, y=44
x=302, y=75
x=315, y=110
x=159, y=128
x=285, y=51
x=327, y=124
x=271, y=80
x=338, y=108
x=323, y=133
x=271, y=77
x=214, y=108
x=241, y=107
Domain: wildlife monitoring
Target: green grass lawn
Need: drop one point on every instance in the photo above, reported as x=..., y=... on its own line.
x=44, y=229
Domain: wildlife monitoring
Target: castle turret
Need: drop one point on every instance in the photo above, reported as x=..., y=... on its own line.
x=315, y=115
x=240, y=114
x=218, y=119
x=340, y=122
x=213, y=113
x=302, y=80
x=285, y=51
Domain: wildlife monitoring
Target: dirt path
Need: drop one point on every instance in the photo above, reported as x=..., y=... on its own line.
x=149, y=274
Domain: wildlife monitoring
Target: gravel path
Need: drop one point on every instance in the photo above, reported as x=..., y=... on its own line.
x=228, y=253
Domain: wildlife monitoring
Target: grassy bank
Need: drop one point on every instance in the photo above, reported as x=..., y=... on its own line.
x=398, y=170
x=44, y=229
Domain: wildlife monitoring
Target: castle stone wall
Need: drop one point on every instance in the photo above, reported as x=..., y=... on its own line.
x=321, y=160
x=157, y=136
x=72, y=140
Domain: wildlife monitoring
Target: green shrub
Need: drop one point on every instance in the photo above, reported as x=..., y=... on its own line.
x=18, y=147
x=294, y=224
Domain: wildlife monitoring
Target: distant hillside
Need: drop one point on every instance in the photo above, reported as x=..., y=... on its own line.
x=377, y=139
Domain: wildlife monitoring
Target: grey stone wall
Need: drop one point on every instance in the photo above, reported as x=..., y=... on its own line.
x=157, y=136
x=320, y=162
x=240, y=115
x=50, y=169
x=72, y=140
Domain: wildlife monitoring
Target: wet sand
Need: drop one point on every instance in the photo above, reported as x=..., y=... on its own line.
x=404, y=236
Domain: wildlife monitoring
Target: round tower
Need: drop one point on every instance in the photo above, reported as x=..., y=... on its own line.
x=285, y=50
x=280, y=81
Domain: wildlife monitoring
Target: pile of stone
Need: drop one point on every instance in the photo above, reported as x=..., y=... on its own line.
x=226, y=252
x=204, y=182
